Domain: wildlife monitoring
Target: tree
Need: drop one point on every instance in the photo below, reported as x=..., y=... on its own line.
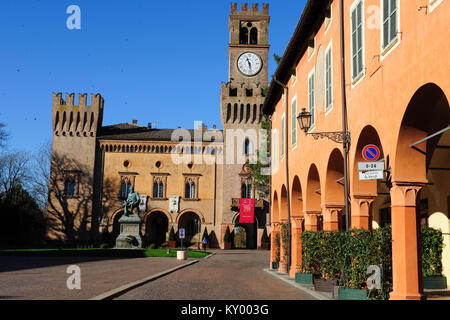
x=40, y=175
x=13, y=171
x=260, y=170
x=227, y=236
x=277, y=58
x=23, y=223
x=4, y=135
x=205, y=235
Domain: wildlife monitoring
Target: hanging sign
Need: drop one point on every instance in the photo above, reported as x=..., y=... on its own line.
x=371, y=153
x=247, y=211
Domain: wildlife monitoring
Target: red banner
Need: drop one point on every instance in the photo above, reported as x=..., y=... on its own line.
x=247, y=211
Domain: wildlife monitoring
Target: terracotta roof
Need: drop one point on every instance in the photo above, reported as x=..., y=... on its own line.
x=311, y=18
x=126, y=131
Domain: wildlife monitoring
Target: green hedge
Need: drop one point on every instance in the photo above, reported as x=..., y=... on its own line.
x=432, y=244
x=345, y=256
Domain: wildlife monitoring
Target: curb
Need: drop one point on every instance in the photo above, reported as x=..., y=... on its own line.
x=132, y=285
x=209, y=256
x=286, y=279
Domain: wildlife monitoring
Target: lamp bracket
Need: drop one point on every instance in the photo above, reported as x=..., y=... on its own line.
x=339, y=137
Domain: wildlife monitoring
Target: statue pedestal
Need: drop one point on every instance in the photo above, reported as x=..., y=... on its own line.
x=130, y=235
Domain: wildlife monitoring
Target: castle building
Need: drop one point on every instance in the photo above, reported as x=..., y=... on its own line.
x=376, y=71
x=191, y=179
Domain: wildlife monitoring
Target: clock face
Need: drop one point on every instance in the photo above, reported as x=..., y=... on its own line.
x=249, y=64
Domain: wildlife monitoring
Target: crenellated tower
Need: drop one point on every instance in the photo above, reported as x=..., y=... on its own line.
x=75, y=173
x=242, y=99
x=242, y=96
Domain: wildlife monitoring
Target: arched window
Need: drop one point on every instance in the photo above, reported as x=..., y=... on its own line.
x=244, y=191
x=249, y=191
x=125, y=189
x=247, y=147
x=71, y=187
x=243, y=36
x=158, y=190
x=187, y=191
x=254, y=36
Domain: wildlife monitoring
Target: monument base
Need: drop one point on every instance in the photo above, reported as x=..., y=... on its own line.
x=130, y=235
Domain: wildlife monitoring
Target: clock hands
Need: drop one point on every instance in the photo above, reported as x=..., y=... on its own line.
x=249, y=64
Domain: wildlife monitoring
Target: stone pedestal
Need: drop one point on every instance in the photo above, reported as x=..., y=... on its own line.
x=129, y=236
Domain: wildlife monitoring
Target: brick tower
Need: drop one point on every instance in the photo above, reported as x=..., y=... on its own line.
x=75, y=197
x=242, y=98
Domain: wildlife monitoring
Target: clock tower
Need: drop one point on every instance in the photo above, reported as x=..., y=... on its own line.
x=242, y=96
x=242, y=99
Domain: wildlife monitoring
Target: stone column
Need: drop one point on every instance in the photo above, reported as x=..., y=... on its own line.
x=362, y=211
x=311, y=220
x=283, y=268
x=331, y=213
x=406, y=261
x=296, y=261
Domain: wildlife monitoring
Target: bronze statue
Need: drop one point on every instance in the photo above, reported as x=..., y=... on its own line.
x=131, y=202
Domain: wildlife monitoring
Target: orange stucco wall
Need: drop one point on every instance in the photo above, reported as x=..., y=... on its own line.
x=377, y=105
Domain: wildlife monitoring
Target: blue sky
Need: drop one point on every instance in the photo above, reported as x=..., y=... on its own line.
x=155, y=61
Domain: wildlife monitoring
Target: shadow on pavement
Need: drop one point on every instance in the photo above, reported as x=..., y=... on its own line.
x=14, y=263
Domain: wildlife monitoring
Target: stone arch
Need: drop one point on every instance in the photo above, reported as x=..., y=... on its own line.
x=283, y=204
x=296, y=198
x=167, y=214
x=313, y=200
x=333, y=193
x=197, y=212
x=275, y=208
x=427, y=113
x=422, y=128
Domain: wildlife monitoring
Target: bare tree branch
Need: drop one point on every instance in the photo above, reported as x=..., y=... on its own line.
x=14, y=171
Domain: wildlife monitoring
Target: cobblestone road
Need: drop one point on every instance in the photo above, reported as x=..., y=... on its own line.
x=228, y=275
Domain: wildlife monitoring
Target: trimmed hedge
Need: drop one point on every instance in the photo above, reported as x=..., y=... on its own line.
x=345, y=256
x=432, y=244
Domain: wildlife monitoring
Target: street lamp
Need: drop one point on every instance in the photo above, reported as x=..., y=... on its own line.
x=304, y=120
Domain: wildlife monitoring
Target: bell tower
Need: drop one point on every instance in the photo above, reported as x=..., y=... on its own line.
x=248, y=50
x=242, y=99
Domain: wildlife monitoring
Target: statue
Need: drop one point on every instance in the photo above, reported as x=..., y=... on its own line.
x=131, y=202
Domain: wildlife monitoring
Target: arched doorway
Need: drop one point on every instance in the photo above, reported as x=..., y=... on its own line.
x=157, y=226
x=240, y=237
x=192, y=224
x=245, y=234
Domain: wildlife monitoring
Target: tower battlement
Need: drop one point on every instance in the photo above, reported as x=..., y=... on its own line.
x=71, y=119
x=246, y=10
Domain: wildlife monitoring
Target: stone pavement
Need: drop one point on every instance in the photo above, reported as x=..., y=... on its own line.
x=228, y=275
x=44, y=278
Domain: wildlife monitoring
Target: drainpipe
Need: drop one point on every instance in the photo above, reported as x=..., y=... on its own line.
x=287, y=168
x=346, y=143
